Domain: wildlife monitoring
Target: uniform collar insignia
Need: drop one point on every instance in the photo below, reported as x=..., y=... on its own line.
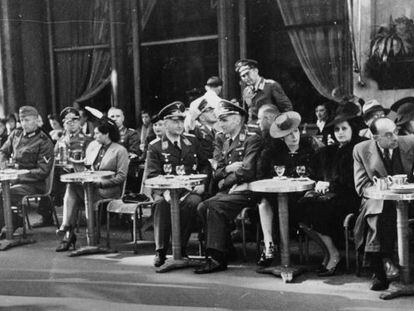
x=186, y=141
x=31, y=134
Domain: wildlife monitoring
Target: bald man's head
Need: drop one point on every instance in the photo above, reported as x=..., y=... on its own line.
x=385, y=133
x=116, y=115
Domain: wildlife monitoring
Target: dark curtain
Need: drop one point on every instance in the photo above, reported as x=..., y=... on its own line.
x=320, y=36
x=83, y=74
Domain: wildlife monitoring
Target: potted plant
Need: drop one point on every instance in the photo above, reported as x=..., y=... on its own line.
x=391, y=48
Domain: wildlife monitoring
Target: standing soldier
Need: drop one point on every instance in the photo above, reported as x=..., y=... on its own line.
x=173, y=150
x=130, y=140
x=236, y=167
x=74, y=141
x=205, y=114
x=258, y=90
x=29, y=148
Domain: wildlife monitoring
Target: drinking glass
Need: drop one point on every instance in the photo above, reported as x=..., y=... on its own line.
x=301, y=170
x=167, y=168
x=279, y=170
x=180, y=170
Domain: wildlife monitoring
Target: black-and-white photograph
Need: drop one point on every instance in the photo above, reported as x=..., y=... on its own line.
x=206, y=155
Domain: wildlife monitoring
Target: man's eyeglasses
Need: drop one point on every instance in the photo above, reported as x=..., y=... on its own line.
x=389, y=134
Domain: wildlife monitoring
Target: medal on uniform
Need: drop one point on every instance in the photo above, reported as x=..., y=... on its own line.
x=242, y=137
x=166, y=155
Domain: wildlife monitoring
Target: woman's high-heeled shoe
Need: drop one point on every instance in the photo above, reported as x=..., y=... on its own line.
x=61, y=232
x=331, y=271
x=267, y=256
x=65, y=244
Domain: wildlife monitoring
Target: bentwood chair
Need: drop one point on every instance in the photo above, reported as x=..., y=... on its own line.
x=134, y=208
x=27, y=200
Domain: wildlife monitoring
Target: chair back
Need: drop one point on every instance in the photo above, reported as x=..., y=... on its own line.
x=145, y=190
x=49, y=179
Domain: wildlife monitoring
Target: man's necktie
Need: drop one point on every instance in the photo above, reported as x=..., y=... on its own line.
x=176, y=145
x=387, y=161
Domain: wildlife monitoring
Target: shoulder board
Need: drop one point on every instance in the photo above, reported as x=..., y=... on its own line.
x=189, y=135
x=154, y=141
x=130, y=129
x=253, y=125
x=269, y=81
x=251, y=133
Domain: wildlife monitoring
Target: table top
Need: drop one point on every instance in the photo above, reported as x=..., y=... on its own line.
x=174, y=182
x=11, y=173
x=281, y=185
x=374, y=193
x=86, y=176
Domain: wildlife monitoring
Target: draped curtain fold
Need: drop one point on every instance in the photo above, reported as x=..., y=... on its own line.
x=83, y=74
x=320, y=37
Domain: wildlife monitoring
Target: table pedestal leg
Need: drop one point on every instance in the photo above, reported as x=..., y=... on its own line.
x=9, y=242
x=177, y=262
x=405, y=288
x=93, y=247
x=285, y=270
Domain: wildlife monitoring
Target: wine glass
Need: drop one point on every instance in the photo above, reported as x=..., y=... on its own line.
x=180, y=170
x=301, y=170
x=279, y=170
x=167, y=168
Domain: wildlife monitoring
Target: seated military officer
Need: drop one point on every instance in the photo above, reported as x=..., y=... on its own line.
x=236, y=167
x=175, y=148
x=31, y=149
x=75, y=143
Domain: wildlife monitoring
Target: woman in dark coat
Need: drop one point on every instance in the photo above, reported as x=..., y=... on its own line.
x=334, y=196
x=285, y=148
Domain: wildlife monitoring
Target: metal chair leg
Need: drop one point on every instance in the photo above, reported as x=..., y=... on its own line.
x=134, y=225
x=346, y=233
x=244, y=238
x=107, y=230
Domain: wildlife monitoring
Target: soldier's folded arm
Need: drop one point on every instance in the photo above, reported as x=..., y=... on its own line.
x=247, y=172
x=44, y=163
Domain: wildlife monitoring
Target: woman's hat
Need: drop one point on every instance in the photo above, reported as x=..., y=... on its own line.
x=284, y=124
x=405, y=113
x=341, y=118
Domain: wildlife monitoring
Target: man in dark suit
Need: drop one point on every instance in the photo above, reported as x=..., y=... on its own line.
x=258, y=90
x=387, y=154
x=174, y=149
x=236, y=167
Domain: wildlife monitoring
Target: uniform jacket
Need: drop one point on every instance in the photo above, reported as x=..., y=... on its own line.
x=162, y=151
x=245, y=147
x=205, y=137
x=130, y=140
x=33, y=151
x=74, y=142
x=368, y=163
x=268, y=92
x=115, y=159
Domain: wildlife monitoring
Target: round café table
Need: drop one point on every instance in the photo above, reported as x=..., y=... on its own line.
x=401, y=199
x=6, y=177
x=282, y=187
x=174, y=184
x=87, y=178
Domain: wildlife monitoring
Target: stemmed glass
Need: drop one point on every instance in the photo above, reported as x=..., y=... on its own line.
x=301, y=170
x=167, y=168
x=180, y=170
x=279, y=170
